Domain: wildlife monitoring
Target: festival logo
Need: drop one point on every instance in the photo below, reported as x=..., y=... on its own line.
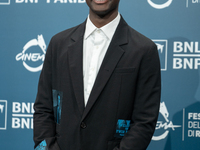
x=33, y=61
x=3, y=114
x=160, y=6
x=4, y=2
x=163, y=126
x=162, y=50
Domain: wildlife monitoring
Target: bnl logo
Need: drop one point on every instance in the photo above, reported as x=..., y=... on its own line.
x=162, y=50
x=4, y=2
x=3, y=114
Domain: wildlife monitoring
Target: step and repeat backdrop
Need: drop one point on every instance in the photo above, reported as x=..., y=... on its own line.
x=26, y=27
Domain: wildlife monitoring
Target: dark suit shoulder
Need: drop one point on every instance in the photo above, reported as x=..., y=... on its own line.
x=63, y=35
x=140, y=39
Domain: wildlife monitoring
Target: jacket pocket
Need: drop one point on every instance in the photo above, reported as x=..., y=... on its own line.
x=113, y=144
x=124, y=70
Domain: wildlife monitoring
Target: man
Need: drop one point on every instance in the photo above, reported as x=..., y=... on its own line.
x=100, y=86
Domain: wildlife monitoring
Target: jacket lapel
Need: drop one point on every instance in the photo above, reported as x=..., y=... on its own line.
x=112, y=57
x=75, y=56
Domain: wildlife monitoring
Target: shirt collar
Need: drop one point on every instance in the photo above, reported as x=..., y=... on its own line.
x=108, y=29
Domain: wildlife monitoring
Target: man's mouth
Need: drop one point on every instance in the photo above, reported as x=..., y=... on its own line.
x=100, y=1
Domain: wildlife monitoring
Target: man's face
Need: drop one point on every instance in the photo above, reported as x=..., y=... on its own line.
x=103, y=7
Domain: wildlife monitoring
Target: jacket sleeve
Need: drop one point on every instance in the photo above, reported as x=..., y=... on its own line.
x=44, y=123
x=146, y=103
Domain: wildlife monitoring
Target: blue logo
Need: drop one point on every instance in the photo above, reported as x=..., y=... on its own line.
x=3, y=114
x=42, y=146
x=122, y=127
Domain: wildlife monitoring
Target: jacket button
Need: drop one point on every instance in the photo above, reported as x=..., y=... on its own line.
x=83, y=125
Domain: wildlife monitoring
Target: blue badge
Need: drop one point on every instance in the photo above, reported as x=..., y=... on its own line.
x=42, y=146
x=122, y=127
x=57, y=105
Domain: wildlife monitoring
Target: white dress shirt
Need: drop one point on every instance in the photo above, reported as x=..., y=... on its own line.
x=95, y=45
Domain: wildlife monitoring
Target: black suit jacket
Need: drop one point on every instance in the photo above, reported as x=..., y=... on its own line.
x=127, y=88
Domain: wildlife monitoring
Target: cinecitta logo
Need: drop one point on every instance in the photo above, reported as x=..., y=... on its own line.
x=33, y=56
x=160, y=6
x=166, y=126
